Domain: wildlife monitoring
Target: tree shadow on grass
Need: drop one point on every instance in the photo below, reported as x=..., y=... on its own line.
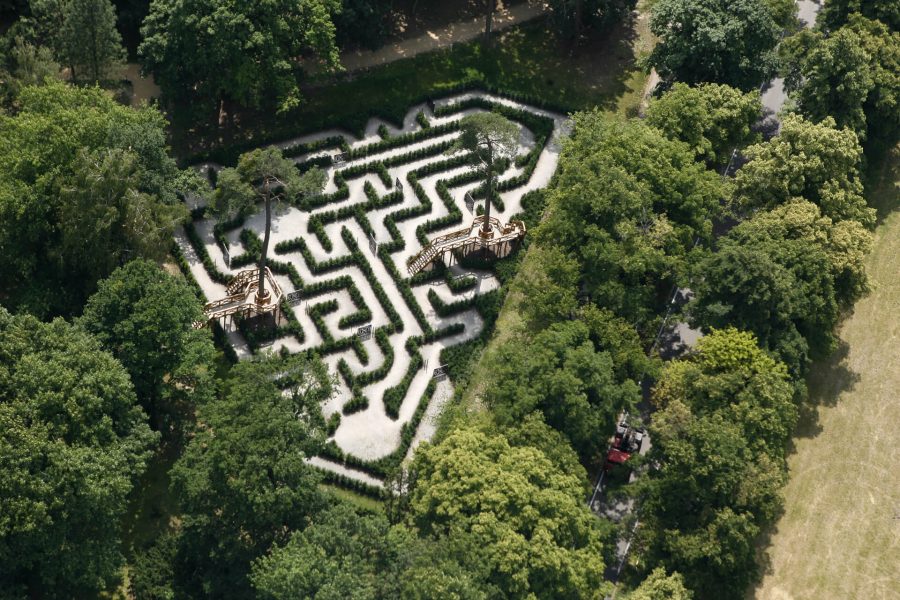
x=827, y=381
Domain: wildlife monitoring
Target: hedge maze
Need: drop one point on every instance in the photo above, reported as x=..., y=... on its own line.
x=340, y=257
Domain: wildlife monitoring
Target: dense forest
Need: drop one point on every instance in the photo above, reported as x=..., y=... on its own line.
x=104, y=378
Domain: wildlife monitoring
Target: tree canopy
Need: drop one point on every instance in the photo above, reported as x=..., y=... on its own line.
x=242, y=482
x=836, y=13
x=345, y=553
x=561, y=373
x=719, y=436
x=248, y=52
x=716, y=41
x=519, y=516
x=72, y=442
x=90, y=43
x=851, y=74
x=659, y=586
x=264, y=174
x=628, y=204
x=85, y=184
x=144, y=316
x=784, y=275
x=816, y=162
x=712, y=119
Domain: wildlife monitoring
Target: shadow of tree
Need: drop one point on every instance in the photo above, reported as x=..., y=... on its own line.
x=827, y=380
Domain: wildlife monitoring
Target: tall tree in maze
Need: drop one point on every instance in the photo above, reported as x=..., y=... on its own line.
x=490, y=136
x=264, y=174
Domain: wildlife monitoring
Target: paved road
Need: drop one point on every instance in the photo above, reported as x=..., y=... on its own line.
x=773, y=96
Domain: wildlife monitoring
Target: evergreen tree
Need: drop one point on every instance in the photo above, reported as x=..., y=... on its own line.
x=90, y=43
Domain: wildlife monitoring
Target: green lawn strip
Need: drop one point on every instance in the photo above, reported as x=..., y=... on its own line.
x=529, y=62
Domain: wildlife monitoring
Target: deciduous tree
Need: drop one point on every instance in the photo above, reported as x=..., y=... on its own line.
x=515, y=512
x=560, y=373
x=72, y=442
x=629, y=204
x=813, y=161
x=144, y=316
x=243, y=483
x=76, y=169
x=712, y=119
x=716, y=41
x=247, y=52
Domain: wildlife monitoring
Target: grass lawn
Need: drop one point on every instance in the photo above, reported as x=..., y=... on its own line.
x=364, y=502
x=839, y=536
x=529, y=59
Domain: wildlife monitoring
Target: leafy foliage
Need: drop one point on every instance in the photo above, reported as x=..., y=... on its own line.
x=716, y=41
x=84, y=184
x=72, y=441
x=837, y=13
x=659, y=586
x=712, y=119
x=816, y=162
x=515, y=513
x=562, y=374
x=348, y=554
x=90, y=43
x=851, y=74
x=719, y=437
x=144, y=316
x=245, y=52
x=784, y=275
x=628, y=203
x=242, y=482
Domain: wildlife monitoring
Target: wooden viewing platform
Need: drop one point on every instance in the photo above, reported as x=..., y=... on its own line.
x=240, y=298
x=472, y=238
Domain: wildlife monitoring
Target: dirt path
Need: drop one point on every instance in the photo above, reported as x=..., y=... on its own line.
x=462, y=31
x=839, y=536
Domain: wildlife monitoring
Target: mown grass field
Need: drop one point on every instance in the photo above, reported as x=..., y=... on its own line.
x=839, y=536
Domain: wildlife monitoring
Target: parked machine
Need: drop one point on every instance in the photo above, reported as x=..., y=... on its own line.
x=626, y=441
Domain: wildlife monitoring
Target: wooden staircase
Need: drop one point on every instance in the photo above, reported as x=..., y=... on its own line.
x=470, y=236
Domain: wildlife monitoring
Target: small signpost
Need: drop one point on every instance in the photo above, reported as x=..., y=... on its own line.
x=294, y=298
x=399, y=185
x=430, y=104
x=339, y=159
x=373, y=245
x=440, y=373
x=364, y=332
x=470, y=202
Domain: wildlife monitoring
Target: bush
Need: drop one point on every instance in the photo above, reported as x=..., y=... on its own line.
x=356, y=403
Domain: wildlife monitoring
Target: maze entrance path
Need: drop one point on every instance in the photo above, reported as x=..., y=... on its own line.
x=340, y=259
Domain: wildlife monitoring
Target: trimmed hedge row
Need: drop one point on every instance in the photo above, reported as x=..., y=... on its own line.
x=214, y=273
x=370, y=377
x=363, y=264
x=298, y=149
x=390, y=142
x=378, y=493
x=356, y=403
x=393, y=397
x=385, y=466
x=444, y=309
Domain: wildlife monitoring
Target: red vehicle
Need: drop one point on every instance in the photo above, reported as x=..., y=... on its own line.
x=625, y=442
